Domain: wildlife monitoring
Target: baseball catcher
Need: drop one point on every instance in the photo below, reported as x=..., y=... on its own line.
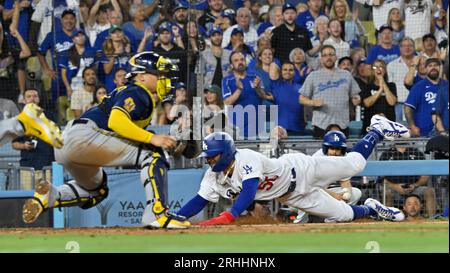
x=111, y=134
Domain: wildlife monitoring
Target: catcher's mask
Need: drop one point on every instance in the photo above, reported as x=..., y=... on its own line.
x=152, y=63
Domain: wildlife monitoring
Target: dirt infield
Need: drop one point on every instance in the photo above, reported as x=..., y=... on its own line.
x=243, y=227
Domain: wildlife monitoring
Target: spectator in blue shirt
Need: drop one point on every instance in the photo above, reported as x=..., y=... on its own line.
x=440, y=115
x=59, y=43
x=385, y=50
x=18, y=38
x=138, y=25
x=420, y=104
x=285, y=94
x=239, y=90
x=306, y=19
x=301, y=69
x=116, y=52
x=78, y=57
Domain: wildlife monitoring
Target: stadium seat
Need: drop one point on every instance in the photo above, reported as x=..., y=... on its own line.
x=355, y=128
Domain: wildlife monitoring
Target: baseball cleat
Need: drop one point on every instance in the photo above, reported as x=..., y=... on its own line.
x=170, y=221
x=386, y=213
x=33, y=207
x=389, y=129
x=36, y=124
x=301, y=217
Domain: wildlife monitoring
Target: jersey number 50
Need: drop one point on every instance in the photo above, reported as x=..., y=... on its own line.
x=267, y=184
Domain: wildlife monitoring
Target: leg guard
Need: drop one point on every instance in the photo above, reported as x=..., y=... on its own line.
x=72, y=194
x=154, y=178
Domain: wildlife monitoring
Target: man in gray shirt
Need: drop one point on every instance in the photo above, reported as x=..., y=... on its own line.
x=329, y=90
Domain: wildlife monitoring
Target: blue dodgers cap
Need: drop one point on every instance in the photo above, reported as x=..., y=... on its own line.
x=230, y=13
x=179, y=85
x=237, y=30
x=180, y=6
x=68, y=11
x=77, y=31
x=287, y=6
x=214, y=30
x=165, y=26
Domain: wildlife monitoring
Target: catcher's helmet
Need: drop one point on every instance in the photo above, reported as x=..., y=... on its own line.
x=152, y=63
x=334, y=139
x=219, y=143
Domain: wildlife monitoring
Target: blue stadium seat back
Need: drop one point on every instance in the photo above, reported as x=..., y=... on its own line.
x=355, y=128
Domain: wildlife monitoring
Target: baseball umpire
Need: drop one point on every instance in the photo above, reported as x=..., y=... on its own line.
x=112, y=134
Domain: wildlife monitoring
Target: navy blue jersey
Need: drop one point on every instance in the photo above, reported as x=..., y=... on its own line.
x=133, y=99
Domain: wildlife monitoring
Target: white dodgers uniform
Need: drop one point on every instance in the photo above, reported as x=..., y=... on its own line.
x=296, y=180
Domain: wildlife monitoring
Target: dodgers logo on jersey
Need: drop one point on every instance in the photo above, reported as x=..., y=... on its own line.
x=129, y=104
x=248, y=169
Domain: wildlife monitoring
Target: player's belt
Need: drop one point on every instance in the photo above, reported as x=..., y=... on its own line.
x=291, y=188
x=79, y=121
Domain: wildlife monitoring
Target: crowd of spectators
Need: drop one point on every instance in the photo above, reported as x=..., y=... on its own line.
x=320, y=61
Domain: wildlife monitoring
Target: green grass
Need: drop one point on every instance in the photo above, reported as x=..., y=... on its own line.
x=330, y=240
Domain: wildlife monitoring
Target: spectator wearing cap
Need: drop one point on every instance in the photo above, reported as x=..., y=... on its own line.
x=242, y=89
x=116, y=52
x=397, y=70
x=346, y=63
x=167, y=48
x=421, y=100
x=335, y=39
x=275, y=19
x=17, y=38
x=164, y=110
x=380, y=9
x=212, y=16
x=301, y=69
x=398, y=27
x=213, y=115
x=418, y=15
x=351, y=27
x=138, y=24
x=98, y=18
x=78, y=57
x=237, y=44
x=307, y=19
x=180, y=17
x=381, y=95
x=243, y=21
x=226, y=20
x=261, y=16
x=215, y=59
x=285, y=93
x=180, y=93
x=363, y=72
x=329, y=91
x=429, y=45
x=45, y=13
x=289, y=36
x=385, y=49
x=58, y=43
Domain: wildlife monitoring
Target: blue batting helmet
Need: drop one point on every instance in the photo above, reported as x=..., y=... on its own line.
x=334, y=139
x=219, y=143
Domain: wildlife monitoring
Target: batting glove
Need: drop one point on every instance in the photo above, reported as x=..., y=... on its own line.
x=223, y=219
